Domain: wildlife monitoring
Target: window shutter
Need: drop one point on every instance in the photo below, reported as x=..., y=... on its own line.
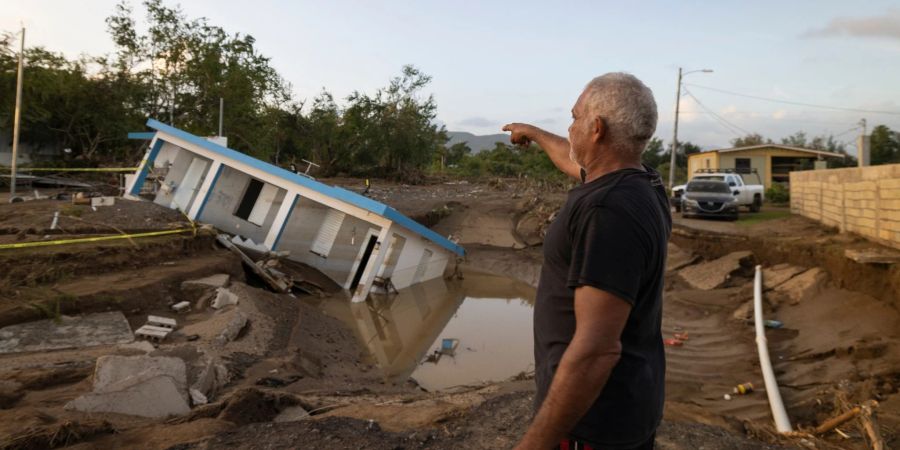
x=327, y=233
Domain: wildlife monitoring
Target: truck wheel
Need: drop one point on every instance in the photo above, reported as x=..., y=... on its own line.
x=757, y=203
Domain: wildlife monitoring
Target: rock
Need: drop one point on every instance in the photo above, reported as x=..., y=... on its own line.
x=118, y=373
x=156, y=397
x=212, y=281
x=89, y=330
x=528, y=229
x=291, y=414
x=713, y=274
x=231, y=330
x=804, y=285
x=224, y=297
x=777, y=274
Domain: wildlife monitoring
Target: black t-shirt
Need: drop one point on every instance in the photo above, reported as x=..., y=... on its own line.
x=611, y=234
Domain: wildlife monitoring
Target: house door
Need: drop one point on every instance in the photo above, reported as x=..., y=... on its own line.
x=364, y=261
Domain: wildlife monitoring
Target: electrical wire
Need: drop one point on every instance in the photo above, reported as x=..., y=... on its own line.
x=724, y=122
x=788, y=102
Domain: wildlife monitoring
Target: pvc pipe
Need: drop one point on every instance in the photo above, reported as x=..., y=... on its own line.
x=782, y=423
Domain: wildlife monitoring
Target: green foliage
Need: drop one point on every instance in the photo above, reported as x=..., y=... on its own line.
x=778, y=194
x=510, y=161
x=884, y=146
x=750, y=139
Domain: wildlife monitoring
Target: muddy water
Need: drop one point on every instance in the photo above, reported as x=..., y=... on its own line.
x=487, y=318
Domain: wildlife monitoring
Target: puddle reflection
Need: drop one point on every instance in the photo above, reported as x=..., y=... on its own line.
x=486, y=320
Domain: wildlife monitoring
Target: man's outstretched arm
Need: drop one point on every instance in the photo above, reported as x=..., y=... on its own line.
x=557, y=147
x=584, y=368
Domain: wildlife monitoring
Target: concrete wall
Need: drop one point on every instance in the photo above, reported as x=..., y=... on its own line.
x=865, y=201
x=408, y=261
x=302, y=227
x=178, y=160
x=223, y=200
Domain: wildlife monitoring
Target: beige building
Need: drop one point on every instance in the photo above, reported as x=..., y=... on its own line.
x=772, y=162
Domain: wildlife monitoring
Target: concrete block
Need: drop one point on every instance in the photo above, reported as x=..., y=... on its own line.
x=90, y=330
x=211, y=379
x=224, y=297
x=712, y=274
x=181, y=307
x=116, y=373
x=162, y=322
x=157, y=397
x=152, y=332
x=103, y=201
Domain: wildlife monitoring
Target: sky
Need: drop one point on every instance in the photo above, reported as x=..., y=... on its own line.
x=495, y=62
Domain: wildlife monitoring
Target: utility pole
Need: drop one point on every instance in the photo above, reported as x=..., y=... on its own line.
x=16, y=119
x=221, y=113
x=863, y=151
x=675, y=133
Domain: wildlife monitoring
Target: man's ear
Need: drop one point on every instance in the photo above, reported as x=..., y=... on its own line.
x=599, y=129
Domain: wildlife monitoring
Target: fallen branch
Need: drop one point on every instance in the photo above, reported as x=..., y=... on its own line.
x=837, y=421
x=867, y=416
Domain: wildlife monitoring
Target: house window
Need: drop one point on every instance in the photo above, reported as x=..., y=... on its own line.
x=251, y=194
x=742, y=165
x=328, y=232
x=257, y=201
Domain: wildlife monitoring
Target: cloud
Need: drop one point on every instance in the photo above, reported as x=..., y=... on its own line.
x=780, y=114
x=478, y=122
x=886, y=25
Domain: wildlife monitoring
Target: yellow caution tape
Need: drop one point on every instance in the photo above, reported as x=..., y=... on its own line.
x=95, y=239
x=74, y=169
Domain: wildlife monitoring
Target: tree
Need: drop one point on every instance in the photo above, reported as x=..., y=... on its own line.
x=750, y=139
x=652, y=155
x=884, y=146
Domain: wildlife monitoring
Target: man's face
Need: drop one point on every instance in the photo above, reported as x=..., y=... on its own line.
x=580, y=132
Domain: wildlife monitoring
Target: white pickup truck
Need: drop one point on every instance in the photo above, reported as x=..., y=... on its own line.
x=749, y=195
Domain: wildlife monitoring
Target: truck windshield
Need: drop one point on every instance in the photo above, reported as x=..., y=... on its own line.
x=711, y=178
x=708, y=186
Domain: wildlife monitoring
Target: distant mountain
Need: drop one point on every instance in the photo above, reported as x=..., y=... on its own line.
x=476, y=143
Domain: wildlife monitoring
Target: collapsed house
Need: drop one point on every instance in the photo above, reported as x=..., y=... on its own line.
x=354, y=240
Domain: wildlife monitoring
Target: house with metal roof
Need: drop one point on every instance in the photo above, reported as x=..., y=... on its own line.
x=354, y=240
x=772, y=162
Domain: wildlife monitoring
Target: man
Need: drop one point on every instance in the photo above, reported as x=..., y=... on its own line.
x=599, y=357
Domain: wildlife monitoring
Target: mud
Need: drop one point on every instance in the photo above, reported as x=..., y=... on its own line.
x=839, y=343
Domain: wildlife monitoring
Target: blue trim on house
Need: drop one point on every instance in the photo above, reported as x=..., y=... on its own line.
x=284, y=223
x=209, y=191
x=141, y=135
x=145, y=168
x=332, y=191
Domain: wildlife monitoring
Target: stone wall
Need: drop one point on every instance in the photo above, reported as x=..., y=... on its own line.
x=865, y=201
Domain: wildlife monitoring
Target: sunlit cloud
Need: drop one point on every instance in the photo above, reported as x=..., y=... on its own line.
x=885, y=26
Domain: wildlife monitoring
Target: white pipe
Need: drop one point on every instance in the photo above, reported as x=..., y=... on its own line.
x=782, y=423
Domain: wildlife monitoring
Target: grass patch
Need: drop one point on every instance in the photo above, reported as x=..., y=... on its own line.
x=762, y=216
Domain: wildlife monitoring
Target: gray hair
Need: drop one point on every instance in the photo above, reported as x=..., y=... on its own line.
x=628, y=108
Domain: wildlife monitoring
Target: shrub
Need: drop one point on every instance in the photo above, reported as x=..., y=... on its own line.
x=778, y=193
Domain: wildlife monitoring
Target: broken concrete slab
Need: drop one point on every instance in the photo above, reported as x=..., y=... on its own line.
x=873, y=255
x=778, y=274
x=713, y=274
x=142, y=346
x=156, y=397
x=231, y=330
x=212, y=281
x=213, y=377
x=804, y=285
x=678, y=258
x=224, y=297
x=91, y=330
x=116, y=373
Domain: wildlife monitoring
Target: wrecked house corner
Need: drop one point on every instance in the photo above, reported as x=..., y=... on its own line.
x=355, y=241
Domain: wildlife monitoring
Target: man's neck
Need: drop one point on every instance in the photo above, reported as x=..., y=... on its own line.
x=603, y=165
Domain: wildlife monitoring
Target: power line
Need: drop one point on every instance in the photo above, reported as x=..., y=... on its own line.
x=731, y=127
x=788, y=102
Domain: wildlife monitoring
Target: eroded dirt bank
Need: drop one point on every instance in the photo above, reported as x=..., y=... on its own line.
x=292, y=357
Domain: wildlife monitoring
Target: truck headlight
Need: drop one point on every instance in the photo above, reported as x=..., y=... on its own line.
x=689, y=202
